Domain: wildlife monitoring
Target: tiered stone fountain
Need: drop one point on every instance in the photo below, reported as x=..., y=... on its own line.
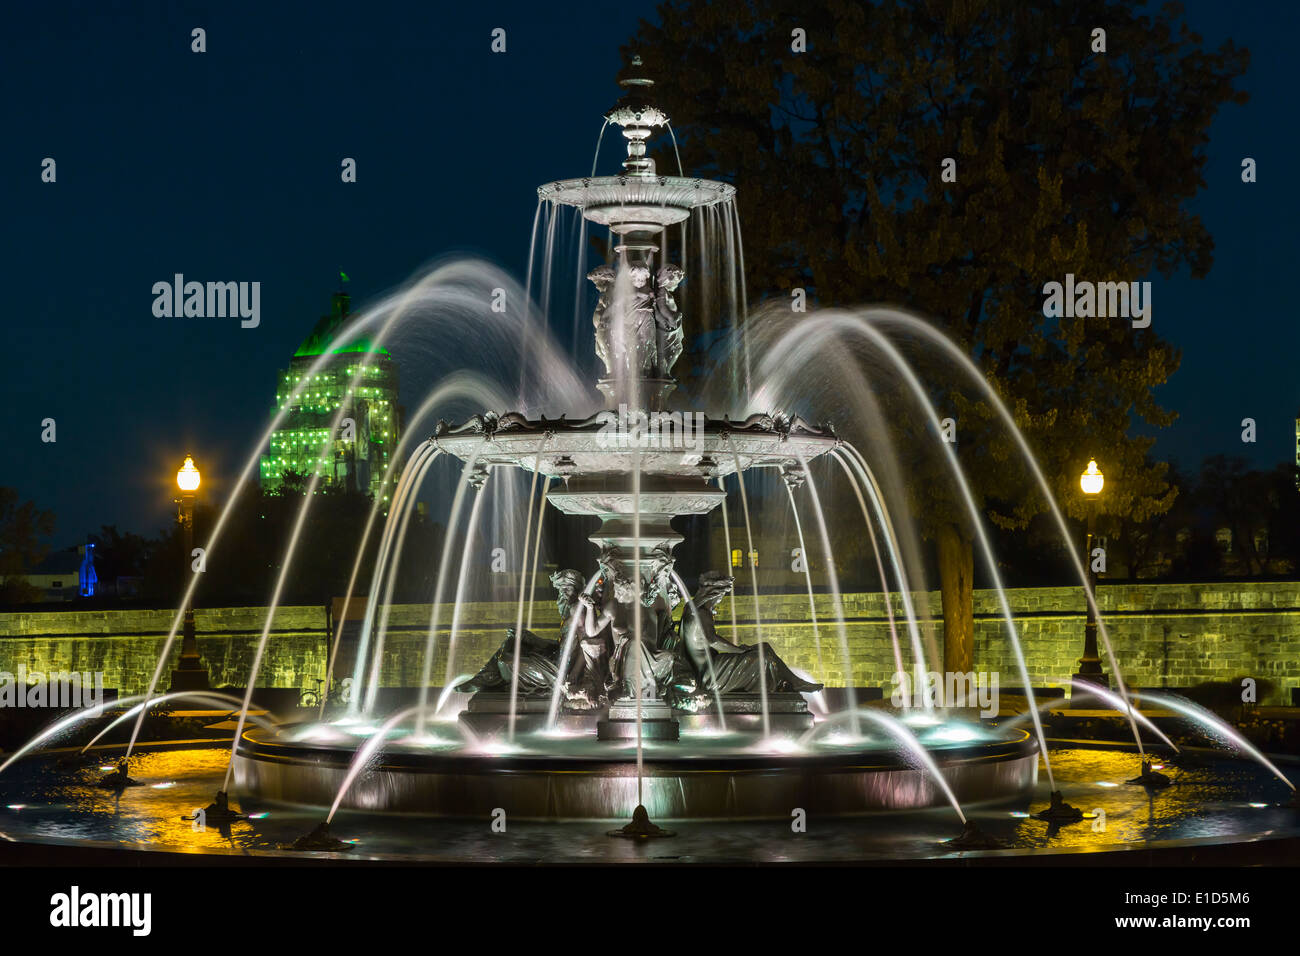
x=636, y=490
x=720, y=729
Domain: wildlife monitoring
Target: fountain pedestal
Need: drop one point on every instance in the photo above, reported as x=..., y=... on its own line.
x=658, y=721
x=612, y=498
x=489, y=713
x=786, y=713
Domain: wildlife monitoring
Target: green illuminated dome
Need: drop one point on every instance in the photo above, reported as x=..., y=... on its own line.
x=328, y=327
x=324, y=384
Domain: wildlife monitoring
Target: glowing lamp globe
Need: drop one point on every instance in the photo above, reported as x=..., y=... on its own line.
x=188, y=477
x=1092, y=480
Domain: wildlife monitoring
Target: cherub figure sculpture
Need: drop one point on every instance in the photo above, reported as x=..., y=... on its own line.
x=587, y=682
x=603, y=278
x=631, y=674
x=668, y=320
x=661, y=596
x=643, y=338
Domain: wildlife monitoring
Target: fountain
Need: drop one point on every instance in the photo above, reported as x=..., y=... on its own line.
x=647, y=705
x=642, y=702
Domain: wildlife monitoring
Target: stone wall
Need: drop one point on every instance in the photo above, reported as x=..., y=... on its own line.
x=1173, y=635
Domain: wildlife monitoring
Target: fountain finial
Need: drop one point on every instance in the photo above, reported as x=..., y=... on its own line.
x=637, y=116
x=634, y=75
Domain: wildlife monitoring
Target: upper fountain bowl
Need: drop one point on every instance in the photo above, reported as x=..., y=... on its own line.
x=636, y=203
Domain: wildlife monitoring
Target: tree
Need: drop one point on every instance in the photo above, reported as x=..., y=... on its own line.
x=1257, y=509
x=1068, y=160
x=119, y=554
x=23, y=527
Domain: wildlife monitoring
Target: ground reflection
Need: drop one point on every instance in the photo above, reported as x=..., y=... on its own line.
x=1210, y=798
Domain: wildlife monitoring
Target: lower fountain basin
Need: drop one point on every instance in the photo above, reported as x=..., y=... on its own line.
x=1224, y=811
x=582, y=778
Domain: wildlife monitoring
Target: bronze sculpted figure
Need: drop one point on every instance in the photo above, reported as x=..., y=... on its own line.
x=603, y=278
x=685, y=661
x=644, y=338
x=587, y=683
x=708, y=663
x=539, y=658
x=668, y=320
x=638, y=326
x=617, y=613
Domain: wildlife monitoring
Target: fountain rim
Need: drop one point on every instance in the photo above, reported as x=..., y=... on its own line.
x=491, y=425
x=560, y=448
x=578, y=190
x=252, y=746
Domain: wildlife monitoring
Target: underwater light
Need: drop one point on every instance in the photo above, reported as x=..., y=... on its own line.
x=425, y=740
x=780, y=745
x=348, y=721
x=842, y=738
x=319, y=733
x=705, y=732
x=953, y=734
x=921, y=720
x=557, y=733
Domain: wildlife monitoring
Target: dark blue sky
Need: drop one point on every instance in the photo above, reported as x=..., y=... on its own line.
x=225, y=166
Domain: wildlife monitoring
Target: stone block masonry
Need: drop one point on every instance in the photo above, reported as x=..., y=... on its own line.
x=1165, y=635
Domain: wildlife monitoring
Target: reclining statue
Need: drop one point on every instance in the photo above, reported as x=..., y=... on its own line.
x=707, y=663
x=539, y=658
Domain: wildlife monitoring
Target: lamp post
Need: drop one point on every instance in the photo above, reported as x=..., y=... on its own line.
x=1090, y=672
x=190, y=673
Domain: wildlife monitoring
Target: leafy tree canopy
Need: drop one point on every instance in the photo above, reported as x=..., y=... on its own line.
x=1068, y=160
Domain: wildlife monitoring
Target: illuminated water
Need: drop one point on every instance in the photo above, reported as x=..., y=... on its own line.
x=1209, y=801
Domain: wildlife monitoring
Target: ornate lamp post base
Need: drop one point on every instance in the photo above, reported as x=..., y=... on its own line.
x=190, y=674
x=1079, y=687
x=191, y=677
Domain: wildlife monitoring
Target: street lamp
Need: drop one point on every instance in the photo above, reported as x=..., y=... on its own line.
x=1090, y=672
x=190, y=673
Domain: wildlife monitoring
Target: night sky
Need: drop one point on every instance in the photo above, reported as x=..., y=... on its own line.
x=225, y=166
